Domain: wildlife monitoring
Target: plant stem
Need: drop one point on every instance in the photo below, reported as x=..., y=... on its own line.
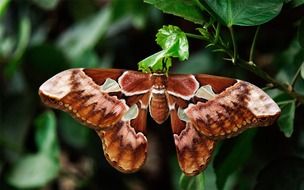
x=253, y=45
x=233, y=43
x=257, y=71
x=294, y=79
x=262, y=74
x=195, y=36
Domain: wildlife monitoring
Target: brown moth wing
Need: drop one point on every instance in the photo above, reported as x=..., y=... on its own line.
x=79, y=92
x=76, y=92
x=124, y=148
x=124, y=144
x=193, y=149
x=236, y=107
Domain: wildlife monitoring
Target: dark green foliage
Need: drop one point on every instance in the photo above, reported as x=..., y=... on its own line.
x=42, y=149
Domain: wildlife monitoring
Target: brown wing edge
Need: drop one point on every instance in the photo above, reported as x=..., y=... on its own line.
x=124, y=148
x=74, y=92
x=237, y=108
x=193, y=149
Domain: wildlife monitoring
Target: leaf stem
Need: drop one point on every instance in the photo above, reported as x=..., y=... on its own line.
x=294, y=79
x=217, y=32
x=233, y=43
x=200, y=5
x=253, y=45
x=195, y=36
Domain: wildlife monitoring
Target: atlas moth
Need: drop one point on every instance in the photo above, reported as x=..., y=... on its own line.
x=202, y=108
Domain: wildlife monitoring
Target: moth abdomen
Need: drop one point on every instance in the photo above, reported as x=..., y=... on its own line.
x=159, y=109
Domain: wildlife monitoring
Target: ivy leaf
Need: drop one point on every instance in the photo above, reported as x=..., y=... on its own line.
x=286, y=119
x=244, y=12
x=192, y=182
x=186, y=9
x=174, y=43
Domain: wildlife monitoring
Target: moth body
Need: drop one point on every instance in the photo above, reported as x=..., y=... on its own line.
x=158, y=104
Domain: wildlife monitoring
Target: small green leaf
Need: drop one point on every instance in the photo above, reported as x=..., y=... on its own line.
x=175, y=40
x=174, y=43
x=286, y=120
x=154, y=63
x=46, y=4
x=301, y=34
x=46, y=138
x=302, y=70
x=186, y=9
x=33, y=171
x=192, y=182
x=232, y=156
x=244, y=12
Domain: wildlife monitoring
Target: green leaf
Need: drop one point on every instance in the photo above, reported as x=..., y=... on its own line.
x=186, y=9
x=302, y=70
x=84, y=35
x=154, y=63
x=301, y=34
x=296, y=3
x=3, y=6
x=24, y=36
x=46, y=138
x=46, y=4
x=73, y=132
x=243, y=12
x=16, y=116
x=232, y=156
x=33, y=171
x=136, y=11
x=286, y=120
x=192, y=182
x=175, y=40
x=174, y=43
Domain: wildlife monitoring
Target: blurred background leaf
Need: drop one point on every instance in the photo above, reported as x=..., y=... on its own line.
x=46, y=4
x=185, y=9
x=84, y=35
x=33, y=171
x=192, y=182
x=36, y=170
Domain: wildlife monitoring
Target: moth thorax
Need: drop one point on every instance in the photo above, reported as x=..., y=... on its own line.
x=159, y=82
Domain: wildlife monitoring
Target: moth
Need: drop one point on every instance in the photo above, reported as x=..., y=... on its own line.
x=202, y=108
